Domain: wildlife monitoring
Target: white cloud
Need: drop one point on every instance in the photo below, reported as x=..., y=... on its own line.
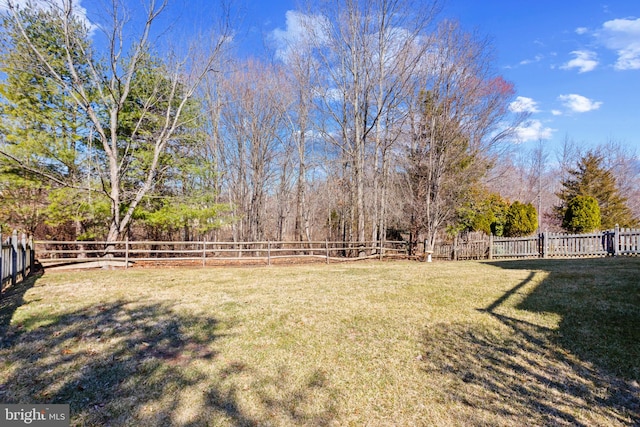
x=582, y=30
x=584, y=61
x=556, y=112
x=522, y=104
x=333, y=95
x=294, y=29
x=622, y=36
x=535, y=59
x=78, y=12
x=579, y=103
x=300, y=28
x=533, y=130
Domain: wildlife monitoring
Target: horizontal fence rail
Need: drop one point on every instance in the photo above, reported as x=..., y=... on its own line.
x=619, y=241
x=17, y=259
x=57, y=253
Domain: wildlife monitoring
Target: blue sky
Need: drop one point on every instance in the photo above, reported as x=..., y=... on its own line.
x=575, y=63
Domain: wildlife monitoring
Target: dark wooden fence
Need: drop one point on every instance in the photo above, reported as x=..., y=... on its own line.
x=619, y=241
x=123, y=253
x=16, y=259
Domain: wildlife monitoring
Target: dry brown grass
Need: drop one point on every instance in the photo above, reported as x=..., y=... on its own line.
x=378, y=344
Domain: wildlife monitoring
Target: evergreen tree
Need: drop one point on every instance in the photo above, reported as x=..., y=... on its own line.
x=41, y=126
x=133, y=108
x=591, y=178
x=43, y=137
x=95, y=132
x=442, y=167
x=23, y=202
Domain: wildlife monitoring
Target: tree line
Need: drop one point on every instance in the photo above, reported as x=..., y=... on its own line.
x=375, y=120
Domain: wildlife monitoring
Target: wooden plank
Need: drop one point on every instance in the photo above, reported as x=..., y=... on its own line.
x=91, y=264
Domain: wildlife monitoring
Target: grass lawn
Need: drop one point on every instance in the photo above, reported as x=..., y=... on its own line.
x=540, y=342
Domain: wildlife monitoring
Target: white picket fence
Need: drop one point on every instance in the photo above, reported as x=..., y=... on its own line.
x=619, y=241
x=16, y=258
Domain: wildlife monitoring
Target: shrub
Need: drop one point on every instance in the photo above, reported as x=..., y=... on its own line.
x=521, y=220
x=582, y=215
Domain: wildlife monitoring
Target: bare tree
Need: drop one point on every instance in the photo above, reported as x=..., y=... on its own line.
x=252, y=126
x=567, y=157
x=524, y=175
x=400, y=44
x=295, y=53
x=365, y=53
x=300, y=116
x=460, y=108
x=538, y=179
x=623, y=162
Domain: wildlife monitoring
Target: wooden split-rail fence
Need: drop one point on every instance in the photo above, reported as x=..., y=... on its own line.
x=124, y=253
x=18, y=255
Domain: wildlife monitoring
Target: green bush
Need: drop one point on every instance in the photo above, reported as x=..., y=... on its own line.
x=521, y=220
x=484, y=212
x=582, y=215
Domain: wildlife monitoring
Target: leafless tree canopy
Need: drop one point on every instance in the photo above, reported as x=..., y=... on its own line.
x=369, y=120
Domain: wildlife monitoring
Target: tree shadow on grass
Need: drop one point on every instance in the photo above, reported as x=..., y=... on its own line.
x=583, y=373
x=598, y=301
x=108, y=362
x=310, y=403
x=11, y=299
x=129, y=363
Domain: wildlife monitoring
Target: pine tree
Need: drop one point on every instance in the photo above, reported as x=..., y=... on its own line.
x=42, y=134
x=41, y=125
x=68, y=123
x=591, y=178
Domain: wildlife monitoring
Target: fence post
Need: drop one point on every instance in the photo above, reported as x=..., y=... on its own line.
x=616, y=240
x=32, y=254
x=204, y=252
x=268, y=252
x=326, y=247
x=1, y=263
x=14, y=258
x=490, y=256
x=126, y=251
x=455, y=248
x=544, y=245
x=23, y=255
